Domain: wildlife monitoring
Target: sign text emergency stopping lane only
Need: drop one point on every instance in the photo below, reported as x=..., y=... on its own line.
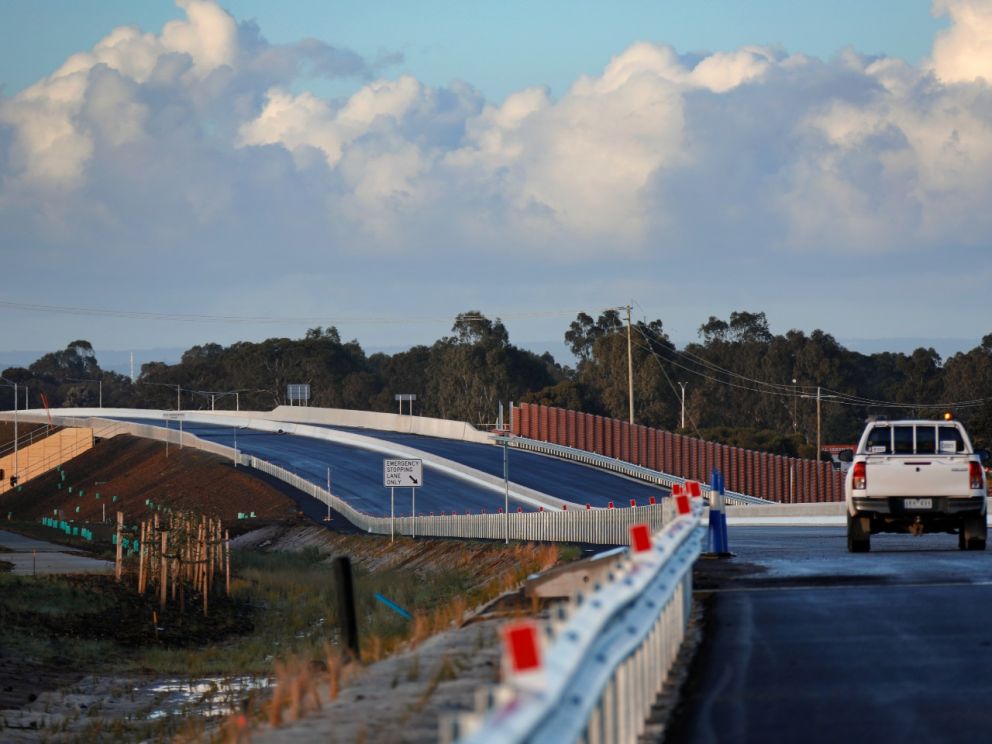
x=402, y=473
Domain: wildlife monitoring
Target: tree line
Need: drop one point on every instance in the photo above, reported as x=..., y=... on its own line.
x=742, y=384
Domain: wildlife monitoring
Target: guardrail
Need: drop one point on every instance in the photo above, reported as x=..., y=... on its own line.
x=622, y=467
x=606, y=657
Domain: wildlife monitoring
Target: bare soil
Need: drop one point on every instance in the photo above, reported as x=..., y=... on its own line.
x=125, y=473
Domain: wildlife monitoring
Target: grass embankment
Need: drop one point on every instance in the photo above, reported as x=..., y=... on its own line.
x=282, y=611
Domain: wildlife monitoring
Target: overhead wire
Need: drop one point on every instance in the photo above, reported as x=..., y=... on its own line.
x=785, y=390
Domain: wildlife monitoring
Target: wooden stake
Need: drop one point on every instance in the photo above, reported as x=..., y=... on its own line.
x=141, y=560
x=163, y=571
x=227, y=560
x=120, y=546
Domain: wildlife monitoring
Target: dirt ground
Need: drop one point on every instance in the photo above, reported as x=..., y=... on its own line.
x=123, y=473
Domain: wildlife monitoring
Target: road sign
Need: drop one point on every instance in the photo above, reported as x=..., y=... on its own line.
x=297, y=393
x=402, y=473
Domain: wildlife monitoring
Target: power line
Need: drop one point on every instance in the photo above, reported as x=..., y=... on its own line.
x=787, y=391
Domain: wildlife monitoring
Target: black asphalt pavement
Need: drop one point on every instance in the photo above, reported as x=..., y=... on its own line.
x=812, y=644
x=356, y=474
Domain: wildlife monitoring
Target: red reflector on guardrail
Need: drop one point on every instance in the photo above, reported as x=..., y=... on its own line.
x=652, y=500
x=520, y=645
x=609, y=505
x=633, y=503
x=640, y=538
x=588, y=506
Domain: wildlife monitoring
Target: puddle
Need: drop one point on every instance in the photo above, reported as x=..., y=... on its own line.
x=207, y=697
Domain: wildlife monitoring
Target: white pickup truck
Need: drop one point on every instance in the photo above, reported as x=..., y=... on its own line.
x=916, y=477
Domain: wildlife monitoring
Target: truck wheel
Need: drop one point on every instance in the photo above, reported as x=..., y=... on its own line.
x=974, y=531
x=858, y=535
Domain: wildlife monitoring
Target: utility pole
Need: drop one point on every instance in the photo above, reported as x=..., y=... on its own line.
x=630, y=367
x=817, y=423
x=795, y=406
x=682, y=385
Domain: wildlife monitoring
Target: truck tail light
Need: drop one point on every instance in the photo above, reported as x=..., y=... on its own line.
x=860, y=476
x=975, y=475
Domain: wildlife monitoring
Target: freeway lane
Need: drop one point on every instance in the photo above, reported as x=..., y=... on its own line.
x=809, y=643
x=357, y=474
x=570, y=481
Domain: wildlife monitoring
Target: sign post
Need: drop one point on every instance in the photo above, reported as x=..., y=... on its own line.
x=398, y=473
x=298, y=393
x=408, y=397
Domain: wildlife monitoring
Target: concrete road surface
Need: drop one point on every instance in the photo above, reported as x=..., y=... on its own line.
x=31, y=556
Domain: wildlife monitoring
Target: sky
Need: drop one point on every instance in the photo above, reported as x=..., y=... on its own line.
x=182, y=173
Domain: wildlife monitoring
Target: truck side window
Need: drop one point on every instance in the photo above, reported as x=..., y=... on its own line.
x=902, y=437
x=926, y=440
x=950, y=440
x=878, y=441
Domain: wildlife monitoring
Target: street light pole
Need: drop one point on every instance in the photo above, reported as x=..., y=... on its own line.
x=630, y=368
x=818, y=423
x=506, y=486
x=16, y=396
x=682, y=385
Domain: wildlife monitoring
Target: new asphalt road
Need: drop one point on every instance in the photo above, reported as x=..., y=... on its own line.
x=356, y=474
x=808, y=643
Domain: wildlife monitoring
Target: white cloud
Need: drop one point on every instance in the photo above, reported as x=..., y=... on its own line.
x=963, y=52
x=201, y=133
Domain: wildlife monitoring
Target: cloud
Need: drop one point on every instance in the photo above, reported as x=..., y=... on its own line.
x=201, y=140
x=963, y=52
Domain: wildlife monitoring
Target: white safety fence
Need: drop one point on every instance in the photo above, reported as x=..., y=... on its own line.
x=624, y=468
x=605, y=656
x=597, y=526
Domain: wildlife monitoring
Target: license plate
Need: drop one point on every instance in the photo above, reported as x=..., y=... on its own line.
x=918, y=503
